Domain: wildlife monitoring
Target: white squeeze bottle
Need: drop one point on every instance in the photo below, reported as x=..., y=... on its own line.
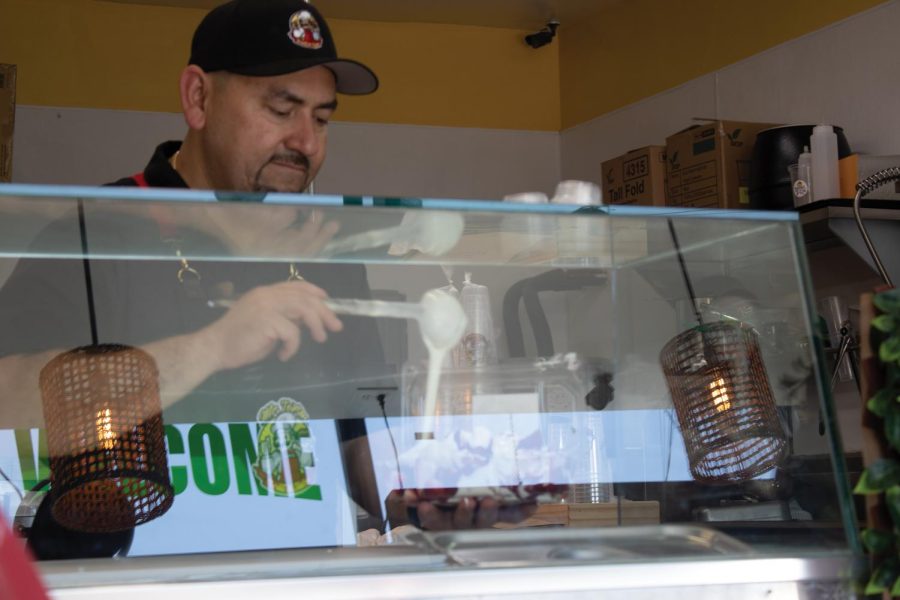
x=825, y=177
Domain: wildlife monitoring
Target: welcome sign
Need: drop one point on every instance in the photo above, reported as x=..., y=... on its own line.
x=238, y=486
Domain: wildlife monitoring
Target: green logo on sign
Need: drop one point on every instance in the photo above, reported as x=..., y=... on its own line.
x=282, y=432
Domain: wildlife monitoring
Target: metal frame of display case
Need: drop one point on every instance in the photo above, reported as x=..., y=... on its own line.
x=284, y=575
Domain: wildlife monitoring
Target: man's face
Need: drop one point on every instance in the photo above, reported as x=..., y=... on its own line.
x=267, y=133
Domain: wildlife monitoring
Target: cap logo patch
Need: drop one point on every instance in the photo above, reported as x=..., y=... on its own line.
x=304, y=30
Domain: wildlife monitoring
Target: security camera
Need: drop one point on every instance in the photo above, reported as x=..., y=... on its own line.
x=544, y=36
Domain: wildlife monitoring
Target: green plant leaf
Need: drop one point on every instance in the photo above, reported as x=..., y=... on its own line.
x=892, y=426
x=878, y=477
x=885, y=323
x=895, y=590
x=884, y=576
x=892, y=499
x=862, y=486
x=877, y=541
x=892, y=378
x=888, y=302
x=873, y=587
x=889, y=351
x=881, y=402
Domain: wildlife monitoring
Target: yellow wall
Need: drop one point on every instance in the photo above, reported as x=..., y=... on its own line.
x=633, y=49
x=453, y=75
x=90, y=53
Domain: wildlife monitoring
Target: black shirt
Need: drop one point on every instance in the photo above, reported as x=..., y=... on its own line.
x=158, y=173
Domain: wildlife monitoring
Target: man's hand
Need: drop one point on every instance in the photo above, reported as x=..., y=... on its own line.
x=469, y=513
x=267, y=318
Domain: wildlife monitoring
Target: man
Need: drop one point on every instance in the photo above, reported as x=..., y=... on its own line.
x=257, y=96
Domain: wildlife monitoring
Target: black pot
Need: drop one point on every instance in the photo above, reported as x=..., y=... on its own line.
x=776, y=149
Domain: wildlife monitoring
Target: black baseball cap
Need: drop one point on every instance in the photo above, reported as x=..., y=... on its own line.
x=273, y=37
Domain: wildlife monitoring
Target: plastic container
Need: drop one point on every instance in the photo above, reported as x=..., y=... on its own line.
x=804, y=166
x=479, y=346
x=580, y=241
x=801, y=183
x=825, y=175
x=527, y=198
x=583, y=193
x=526, y=235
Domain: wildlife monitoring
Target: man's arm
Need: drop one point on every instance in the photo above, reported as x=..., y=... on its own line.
x=265, y=320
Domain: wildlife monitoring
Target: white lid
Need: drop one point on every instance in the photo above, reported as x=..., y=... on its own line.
x=584, y=193
x=822, y=129
x=527, y=198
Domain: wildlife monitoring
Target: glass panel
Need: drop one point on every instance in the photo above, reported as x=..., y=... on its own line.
x=494, y=366
x=732, y=381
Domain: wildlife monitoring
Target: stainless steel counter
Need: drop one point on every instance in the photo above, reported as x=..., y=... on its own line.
x=275, y=577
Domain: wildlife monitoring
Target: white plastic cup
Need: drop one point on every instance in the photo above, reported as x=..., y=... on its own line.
x=583, y=193
x=478, y=344
x=580, y=240
x=801, y=184
x=527, y=198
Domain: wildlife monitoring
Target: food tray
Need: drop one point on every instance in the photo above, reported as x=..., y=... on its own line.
x=527, y=547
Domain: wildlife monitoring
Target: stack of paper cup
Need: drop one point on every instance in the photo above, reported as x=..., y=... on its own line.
x=584, y=193
x=581, y=240
x=523, y=233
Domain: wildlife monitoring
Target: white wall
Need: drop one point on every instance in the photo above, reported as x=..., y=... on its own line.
x=86, y=146
x=440, y=162
x=846, y=74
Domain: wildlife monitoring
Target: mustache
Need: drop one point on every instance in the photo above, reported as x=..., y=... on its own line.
x=291, y=158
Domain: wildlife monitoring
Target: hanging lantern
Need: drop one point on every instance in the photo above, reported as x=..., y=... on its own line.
x=724, y=403
x=108, y=467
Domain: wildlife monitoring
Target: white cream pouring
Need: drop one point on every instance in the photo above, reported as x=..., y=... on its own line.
x=442, y=323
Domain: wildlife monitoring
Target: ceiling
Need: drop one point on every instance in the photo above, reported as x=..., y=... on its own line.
x=513, y=14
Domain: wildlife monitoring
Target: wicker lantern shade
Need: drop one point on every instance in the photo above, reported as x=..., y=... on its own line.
x=108, y=468
x=724, y=403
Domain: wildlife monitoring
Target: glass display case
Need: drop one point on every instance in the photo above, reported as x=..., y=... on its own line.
x=204, y=390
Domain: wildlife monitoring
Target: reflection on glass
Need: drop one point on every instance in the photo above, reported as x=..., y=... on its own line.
x=570, y=417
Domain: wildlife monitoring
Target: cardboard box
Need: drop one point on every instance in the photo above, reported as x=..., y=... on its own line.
x=708, y=165
x=636, y=177
x=7, y=119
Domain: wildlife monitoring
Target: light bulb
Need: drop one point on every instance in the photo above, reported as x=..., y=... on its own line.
x=718, y=392
x=105, y=435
